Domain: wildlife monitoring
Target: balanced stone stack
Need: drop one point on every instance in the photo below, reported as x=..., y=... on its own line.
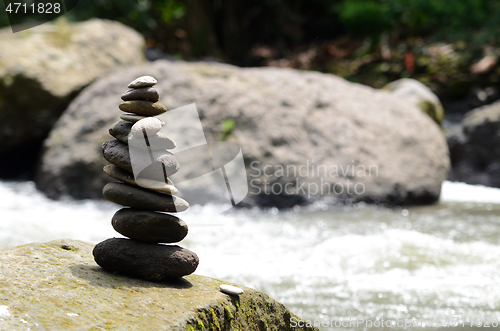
x=141, y=163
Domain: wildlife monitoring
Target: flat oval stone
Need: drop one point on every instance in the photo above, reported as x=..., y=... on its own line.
x=128, y=178
x=164, y=164
x=156, y=185
x=145, y=108
x=170, y=162
x=117, y=153
x=230, y=289
x=142, y=93
x=121, y=130
x=134, y=118
x=150, y=125
x=143, y=81
x=131, y=196
x=157, y=141
x=149, y=226
x=153, y=262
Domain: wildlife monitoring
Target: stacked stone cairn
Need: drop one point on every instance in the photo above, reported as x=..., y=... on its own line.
x=147, y=195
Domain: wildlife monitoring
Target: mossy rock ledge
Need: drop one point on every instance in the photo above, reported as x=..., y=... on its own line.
x=57, y=286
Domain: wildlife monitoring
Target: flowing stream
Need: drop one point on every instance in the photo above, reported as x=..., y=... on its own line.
x=348, y=267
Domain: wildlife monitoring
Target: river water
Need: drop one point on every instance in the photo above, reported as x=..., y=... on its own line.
x=339, y=266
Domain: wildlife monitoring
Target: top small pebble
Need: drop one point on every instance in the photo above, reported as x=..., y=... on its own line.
x=143, y=81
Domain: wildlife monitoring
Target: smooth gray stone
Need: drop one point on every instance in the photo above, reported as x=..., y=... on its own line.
x=156, y=141
x=145, y=108
x=117, y=153
x=120, y=130
x=154, y=262
x=132, y=117
x=164, y=164
x=135, y=197
x=143, y=81
x=142, y=93
x=128, y=178
x=149, y=226
x=170, y=162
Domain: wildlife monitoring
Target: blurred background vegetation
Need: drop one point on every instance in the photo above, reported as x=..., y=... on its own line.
x=451, y=46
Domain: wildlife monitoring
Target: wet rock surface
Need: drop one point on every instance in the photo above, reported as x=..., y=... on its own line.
x=475, y=147
x=78, y=294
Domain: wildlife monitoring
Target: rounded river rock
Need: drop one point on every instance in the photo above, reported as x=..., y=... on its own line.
x=143, y=93
x=117, y=153
x=165, y=164
x=145, y=108
x=128, y=178
x=120, y=130
x=135, y=197
x=154, y=262
x=143, y=81
x=149, y=226
x=132, y=117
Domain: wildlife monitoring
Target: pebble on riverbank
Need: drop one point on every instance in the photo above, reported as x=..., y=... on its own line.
x=230, y=289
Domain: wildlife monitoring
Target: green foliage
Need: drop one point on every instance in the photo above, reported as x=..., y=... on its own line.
x=143, y=15
x=365, y=17
x=227, y=127
x=464, y=19
x=4, y=20
x=254, y=32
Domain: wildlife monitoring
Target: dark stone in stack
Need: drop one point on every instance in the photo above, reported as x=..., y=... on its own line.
x=144, y=254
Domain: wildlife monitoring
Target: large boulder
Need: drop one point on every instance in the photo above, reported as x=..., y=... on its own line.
x=475, y=147
x=58, y=286
x=303, y=135
x=42, y=69
x=416, y=93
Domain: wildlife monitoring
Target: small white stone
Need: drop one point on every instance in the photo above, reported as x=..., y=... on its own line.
x=230, y=289
x=151, y=125
x=143, y=81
